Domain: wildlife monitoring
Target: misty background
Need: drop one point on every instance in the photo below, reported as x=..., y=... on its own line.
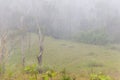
x=88, y=21
x=43, y=36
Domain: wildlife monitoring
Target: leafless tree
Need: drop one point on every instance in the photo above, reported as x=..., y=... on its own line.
x=22, y=41
x=3, y=48
x=41, y=45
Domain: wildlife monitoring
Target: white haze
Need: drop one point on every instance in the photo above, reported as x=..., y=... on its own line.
x=61, y=13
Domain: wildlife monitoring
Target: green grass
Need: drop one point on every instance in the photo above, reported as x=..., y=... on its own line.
x=75, y=57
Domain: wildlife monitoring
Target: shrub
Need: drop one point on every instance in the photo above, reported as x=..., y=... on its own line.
x=65, y=76
x=98, y=37
x=33, y=70
x=9, y=75
x=99, y=76
x=49, y=75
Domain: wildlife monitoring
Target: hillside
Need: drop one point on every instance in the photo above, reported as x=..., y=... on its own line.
x=75, y=57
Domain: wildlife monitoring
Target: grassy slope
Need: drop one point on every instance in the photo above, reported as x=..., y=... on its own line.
x=75, y=57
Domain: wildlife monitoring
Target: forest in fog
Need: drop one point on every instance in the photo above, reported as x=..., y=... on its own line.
x=59, y=39
x=75, y=19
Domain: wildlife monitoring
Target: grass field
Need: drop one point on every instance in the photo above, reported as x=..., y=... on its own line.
x=78, y=58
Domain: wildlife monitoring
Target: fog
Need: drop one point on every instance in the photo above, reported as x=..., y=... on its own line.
x=68, y=15
x=82, y=36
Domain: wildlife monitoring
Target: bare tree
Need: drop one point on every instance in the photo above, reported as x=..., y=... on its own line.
x=41, y=45
x=22, y=41
x=3, y=49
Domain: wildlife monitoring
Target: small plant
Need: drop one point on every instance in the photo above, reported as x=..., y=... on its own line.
x=49, y=75
x=45, y=77
x=32, y=70
x=99, y=77
x=2, y=69
x=65, y=76
x=9, y=75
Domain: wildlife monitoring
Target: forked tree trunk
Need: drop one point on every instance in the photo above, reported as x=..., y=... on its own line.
x=41, y=47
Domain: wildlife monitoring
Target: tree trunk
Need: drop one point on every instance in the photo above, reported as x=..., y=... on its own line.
x=22, y=51
x=22, y=40
x=29, y=43
x=41, y=47
x=3, y=51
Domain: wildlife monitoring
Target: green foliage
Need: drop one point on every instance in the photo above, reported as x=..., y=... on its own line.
x=49, y=74
x=9, y=74
x=65, y=76
x=45, y=68
x=2, y=69
x=45, y=77
x=99, y=77
x=33, y=70
x=98, y=37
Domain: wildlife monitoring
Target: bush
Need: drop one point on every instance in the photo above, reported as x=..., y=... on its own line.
x=99, y=76
x=98, y=37
x=33, y=71
x=49, y=75
x=65, y=76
